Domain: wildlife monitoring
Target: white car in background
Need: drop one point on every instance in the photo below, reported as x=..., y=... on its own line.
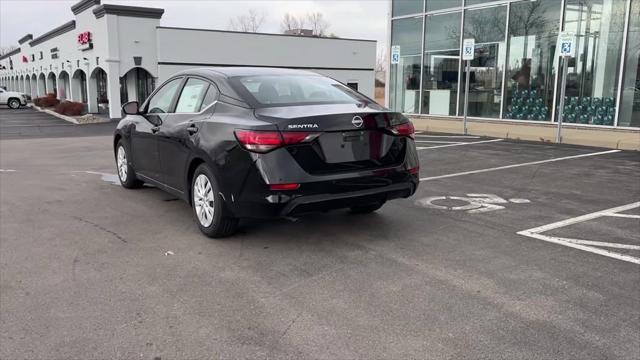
x=13, y=99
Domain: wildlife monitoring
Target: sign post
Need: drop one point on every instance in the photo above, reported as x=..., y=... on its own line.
x=468, y=52
x=566, y=44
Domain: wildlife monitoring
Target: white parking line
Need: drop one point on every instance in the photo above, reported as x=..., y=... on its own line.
x=438, y=142
x=449, y=136
x=630, y=216
x=586, y=245
x=459, y=144
x=518, y=165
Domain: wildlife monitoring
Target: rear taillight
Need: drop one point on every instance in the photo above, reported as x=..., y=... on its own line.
x=405, y=129
x=283, y=187
x=259, y=141
x=265, y=141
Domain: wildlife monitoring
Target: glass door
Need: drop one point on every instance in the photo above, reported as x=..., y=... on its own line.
x=441, y=65
x=487, y=26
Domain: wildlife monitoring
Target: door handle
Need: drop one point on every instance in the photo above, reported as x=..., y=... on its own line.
x=192, y=129
x=155, y=129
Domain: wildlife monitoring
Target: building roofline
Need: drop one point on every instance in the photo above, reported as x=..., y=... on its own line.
x=10, y=53
x=25, y=38
x=66, y=27
x=83, y=5
x=132, y=11
x=264, y=34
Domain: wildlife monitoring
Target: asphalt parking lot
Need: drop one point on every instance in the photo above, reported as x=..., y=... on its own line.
x=508, y=250
x=26, y=123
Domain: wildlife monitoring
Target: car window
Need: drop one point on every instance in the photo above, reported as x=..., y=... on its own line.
x=209, y=97
x=284, y=90
x=191, y=96
x=161, y=101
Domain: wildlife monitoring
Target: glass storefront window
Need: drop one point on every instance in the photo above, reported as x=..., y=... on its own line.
x=531, y=65
x=406, y=7
x=629, y=114
x=592, y=81
x=405, y=76
x=407, y=33
x=441, y=64
x=405, y=85
x=477, y=2
x=442, y=32
x=443, y=4
x=487, y=26
x=145, y=84
x=513, y=75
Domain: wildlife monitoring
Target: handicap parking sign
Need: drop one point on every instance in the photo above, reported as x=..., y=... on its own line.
x=468, y=49
x=566, y=44
x=395, y=54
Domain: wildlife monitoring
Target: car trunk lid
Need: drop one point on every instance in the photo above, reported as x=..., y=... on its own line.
x=349, y=136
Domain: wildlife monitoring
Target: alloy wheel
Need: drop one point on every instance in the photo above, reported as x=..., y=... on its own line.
x=122, y=164
x=203, y=200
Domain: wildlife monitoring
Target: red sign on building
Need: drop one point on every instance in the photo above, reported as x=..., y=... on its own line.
x=24, y=59
x=84, y=40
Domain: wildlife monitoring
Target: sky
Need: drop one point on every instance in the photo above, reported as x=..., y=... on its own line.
x=360, y=19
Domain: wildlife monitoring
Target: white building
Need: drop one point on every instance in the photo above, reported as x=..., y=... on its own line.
x=110, y=54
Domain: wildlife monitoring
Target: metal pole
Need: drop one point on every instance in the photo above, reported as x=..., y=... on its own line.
x=466, y=98
x=563, y=86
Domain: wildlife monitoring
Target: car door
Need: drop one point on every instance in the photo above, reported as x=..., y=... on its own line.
x=144, y=142
x=179, y=130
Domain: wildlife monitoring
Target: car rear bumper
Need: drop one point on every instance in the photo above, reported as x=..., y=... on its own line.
x=323, y=196
x=252, y=197
x=322, y=202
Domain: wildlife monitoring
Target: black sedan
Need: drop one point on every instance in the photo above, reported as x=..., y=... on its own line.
x=262, y=143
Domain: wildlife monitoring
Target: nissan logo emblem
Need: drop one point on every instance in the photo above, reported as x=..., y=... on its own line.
x=357, y=121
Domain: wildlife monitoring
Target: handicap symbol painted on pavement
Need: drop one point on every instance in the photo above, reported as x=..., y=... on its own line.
x=475, y=203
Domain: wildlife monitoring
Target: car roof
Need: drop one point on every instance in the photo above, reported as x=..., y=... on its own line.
x=233, y=71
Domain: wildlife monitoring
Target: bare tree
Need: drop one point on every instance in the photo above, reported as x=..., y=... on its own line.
x=291, y=22
x=317, y=23
x=250, y=22
x=7, y=49
x=381, y=59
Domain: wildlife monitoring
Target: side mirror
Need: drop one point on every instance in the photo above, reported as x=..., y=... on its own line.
x=131, y=108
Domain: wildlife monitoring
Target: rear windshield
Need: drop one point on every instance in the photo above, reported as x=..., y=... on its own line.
x=289, y=90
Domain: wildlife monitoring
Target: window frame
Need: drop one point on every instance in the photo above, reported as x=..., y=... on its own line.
x=172, y=105
x=184, y=83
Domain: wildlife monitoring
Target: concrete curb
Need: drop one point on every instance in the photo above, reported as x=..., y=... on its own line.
x=613, y=138
x=59, y=116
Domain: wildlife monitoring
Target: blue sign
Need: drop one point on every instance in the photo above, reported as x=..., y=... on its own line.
x=468, y=49
x=566, y=44
x=395, y=54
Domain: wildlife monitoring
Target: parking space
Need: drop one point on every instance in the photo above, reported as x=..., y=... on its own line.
x=457, y=271
x=26, y=122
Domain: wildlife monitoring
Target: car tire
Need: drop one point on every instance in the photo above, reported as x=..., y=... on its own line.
x=212, y=215
x=126, y=174
x=367, y=208
x=13, y=103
